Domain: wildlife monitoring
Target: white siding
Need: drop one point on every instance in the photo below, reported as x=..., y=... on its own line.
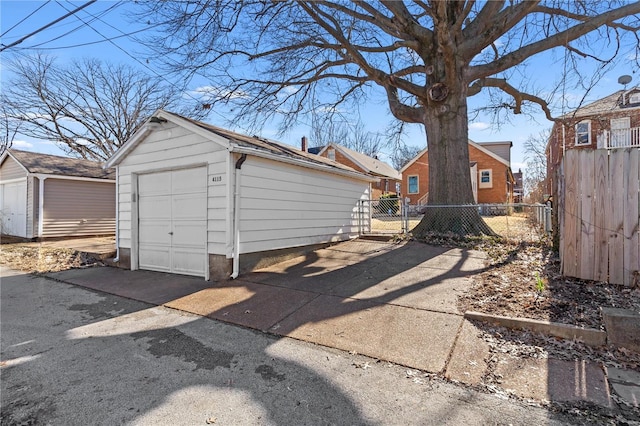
x=10, y=169
x=169, y=149
x=288, y=206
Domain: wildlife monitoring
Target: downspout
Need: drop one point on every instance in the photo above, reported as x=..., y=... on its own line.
x=117, y=258
x=236, y=219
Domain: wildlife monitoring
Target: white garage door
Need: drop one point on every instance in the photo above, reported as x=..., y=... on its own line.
x=172, y=213
x=13, y=208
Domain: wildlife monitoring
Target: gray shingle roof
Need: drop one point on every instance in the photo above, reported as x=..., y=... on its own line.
x=267, y=145
x=49, y=164
x=370, y=165
x=610, y=103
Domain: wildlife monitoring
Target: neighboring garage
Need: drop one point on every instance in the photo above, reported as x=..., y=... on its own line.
x=44, y=196
x=199, y=200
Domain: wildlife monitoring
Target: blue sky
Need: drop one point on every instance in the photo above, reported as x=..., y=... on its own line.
x=72, y=38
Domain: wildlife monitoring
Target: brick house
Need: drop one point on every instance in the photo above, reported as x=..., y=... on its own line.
x=492, y=180
x=389, y=179
x=608, y=123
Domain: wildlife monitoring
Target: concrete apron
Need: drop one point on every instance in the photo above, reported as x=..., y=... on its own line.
x=390, y=301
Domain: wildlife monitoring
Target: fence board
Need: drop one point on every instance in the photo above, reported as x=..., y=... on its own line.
x=585, y=256
x=615, y=214
x=599, y=215
x=631, y=214
x=571, y=172
x=601, y=237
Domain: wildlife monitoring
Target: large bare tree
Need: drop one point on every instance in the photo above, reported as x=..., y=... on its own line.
x=426, y=57
x=88, y=108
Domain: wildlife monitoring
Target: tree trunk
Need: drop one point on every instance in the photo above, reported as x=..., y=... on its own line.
x=446, y=126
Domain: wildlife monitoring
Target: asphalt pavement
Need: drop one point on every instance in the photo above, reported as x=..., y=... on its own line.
x=75, y=356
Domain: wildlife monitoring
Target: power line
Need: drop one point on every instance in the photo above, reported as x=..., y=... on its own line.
x=87, y=43
x=47, y=26
x=25, y=18
x=110, y=40
x=103, y=13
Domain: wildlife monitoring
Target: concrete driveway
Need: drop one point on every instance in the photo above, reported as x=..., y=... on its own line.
x=391, y=301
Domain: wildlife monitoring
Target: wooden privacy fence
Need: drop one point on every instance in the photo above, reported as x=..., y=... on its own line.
x=598, y=215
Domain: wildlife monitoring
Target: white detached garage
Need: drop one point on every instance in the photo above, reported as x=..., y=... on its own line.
x=48, y=196
x=199, y=200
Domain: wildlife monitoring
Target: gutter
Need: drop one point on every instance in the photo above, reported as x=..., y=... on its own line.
x=301, y=163
x=236, y=218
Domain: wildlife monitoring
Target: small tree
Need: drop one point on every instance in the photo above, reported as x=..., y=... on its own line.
x=88, y=108
x=536, y=172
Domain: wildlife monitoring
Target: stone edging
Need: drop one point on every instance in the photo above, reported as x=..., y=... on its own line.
x=588, y=336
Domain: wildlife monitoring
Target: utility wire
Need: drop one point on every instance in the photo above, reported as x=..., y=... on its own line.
x=110, y=40
x=103, y=13
x=89, y=43
x=3, y=48
x=25, y=18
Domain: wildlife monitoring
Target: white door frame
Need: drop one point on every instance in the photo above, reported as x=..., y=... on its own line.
x=135, y=217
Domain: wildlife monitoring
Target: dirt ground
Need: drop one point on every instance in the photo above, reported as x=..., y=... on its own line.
x=36, y=258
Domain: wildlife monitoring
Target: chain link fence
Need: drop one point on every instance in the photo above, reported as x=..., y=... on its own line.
x=523, y=222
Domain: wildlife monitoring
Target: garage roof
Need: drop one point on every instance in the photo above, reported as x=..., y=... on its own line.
x=237, y=142
x=47, y=164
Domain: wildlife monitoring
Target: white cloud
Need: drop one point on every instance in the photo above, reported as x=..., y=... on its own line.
x=479, y=125
x=21, y=144
x=211, y=92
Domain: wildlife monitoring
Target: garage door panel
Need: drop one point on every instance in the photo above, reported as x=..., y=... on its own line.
x=154, y=184
x=189, y=234
x=189, y=206
x=154, y=257
x=13, y=209
x=155, y=232
x=189, y=181
x=172, y=221
x=189, y=262
x=155, y=207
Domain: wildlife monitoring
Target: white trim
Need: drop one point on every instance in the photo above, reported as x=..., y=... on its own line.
x=472, y=143
x=148, y=127
x=408, y=185
x=308, y=164
x=8, y=153
x=588, y=123
x=485, y=185
x=85, y=179
x=41, y=205
x=13, y=180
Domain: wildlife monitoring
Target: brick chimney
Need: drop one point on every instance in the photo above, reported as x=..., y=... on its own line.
x=304, y=143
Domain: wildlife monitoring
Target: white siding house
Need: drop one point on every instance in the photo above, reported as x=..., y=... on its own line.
x=199, y=200
x=43, y=196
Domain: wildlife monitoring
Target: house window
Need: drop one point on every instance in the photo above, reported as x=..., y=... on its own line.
x=635, y=98
x=583, y=133
x=331, y=154
x=413, y=185
x=486, y=179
